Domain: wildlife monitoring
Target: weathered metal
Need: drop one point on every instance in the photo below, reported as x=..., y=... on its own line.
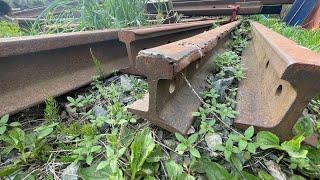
x=217, y=2
x=33, y=68
x=281, y=79
x=149, y=37
x=245, y=8
x=170, y=101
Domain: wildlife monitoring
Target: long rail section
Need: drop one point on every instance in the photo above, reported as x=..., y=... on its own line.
x=34, y=68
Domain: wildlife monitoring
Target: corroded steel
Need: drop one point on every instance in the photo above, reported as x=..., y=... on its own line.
x=225, y=9
x=170, y=101
x=139, y=39
x=221, y=7
x=33, y=68
x=281, y=79
x=216, y=2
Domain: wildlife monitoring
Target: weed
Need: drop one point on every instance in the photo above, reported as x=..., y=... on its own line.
x=92, y=15
x=86, y=149
x=51, y=111
x=98, y=65
x=9, y=29
x=187, y=145
x=4, y=124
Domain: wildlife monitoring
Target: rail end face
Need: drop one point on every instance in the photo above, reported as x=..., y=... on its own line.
x=279, y=84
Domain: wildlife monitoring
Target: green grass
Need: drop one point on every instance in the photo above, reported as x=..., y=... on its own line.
x=304, y=37
x=90, y=15
x=8, y=29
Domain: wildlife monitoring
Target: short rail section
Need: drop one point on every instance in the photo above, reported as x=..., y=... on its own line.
x=169, y=68
x=281, y=79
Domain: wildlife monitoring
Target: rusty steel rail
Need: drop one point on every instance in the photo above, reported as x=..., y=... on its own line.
x=281, y=79
x=214, y=8
x=139, y=39
x=170, y=101
x=33, y=68
x=217, y=2
x=205, y=9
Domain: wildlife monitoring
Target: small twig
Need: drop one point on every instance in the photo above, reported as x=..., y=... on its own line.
x=164, y=170
x=161, y=144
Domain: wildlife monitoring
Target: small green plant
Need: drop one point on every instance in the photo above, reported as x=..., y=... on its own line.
x=86, y=149
x=175, y=171
x=118, y=115
x=267, y=140
x=141, y=148
x=8, y=29
x=4, y=124
x=80, y=101
x=51, y=111
x=207, y=127
x=227, y=59
x=187, y=145
x=239, y=144
x=98, y=65
x=44, y=130
x=16, y=139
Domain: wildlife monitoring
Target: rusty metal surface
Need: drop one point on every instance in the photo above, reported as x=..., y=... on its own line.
x=216, y=2
x=218, y=11
x=170, y=102
x=33, y=68
x=281, y=79
x=139, y=39
x=212, y=9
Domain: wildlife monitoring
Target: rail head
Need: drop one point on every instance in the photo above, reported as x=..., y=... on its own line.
x=181, y=53
x=287, y=57
x=130, y=35
x=281, y=79
x=31, y=44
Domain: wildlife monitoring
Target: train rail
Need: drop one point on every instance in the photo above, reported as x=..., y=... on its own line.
x=33, y=68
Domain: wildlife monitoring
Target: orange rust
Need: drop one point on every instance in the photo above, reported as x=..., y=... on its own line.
x=170, y=102
x=280, y=81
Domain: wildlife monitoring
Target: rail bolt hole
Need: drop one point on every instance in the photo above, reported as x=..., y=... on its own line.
x=172, y=88
x=267, y=65
x=279, y=90
x=168, y=42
